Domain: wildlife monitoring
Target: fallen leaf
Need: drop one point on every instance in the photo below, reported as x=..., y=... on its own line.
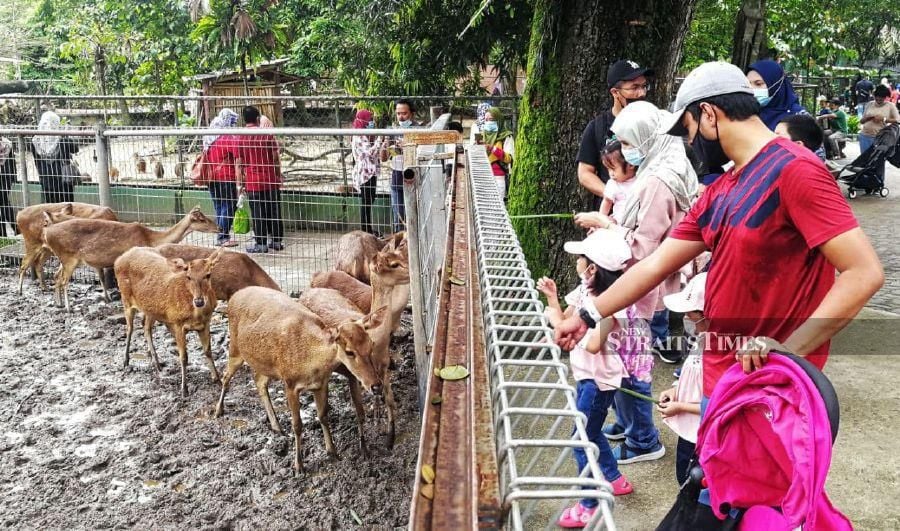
x=436, y=399
x=454, y=372
x=437, y=372
x=427, y=491
x=457, y=281
x=427, y=474
x=355, y=517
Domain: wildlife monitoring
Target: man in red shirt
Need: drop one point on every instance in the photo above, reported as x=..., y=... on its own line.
x=778, y=228
x=260, y=176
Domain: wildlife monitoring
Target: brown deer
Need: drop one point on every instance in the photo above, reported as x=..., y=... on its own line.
x=98, y=243
x=171, y=291
x=158, y=170
x=353, y=251
x=279, y=338
x=234, y=271
x=31, y=223
x=388, y=271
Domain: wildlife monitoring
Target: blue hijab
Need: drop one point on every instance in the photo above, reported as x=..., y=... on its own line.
x=784, y=101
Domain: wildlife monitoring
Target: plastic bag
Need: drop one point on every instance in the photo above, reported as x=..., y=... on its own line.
x=241, y=223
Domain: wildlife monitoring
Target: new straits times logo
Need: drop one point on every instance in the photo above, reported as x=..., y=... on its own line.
x=637, y=340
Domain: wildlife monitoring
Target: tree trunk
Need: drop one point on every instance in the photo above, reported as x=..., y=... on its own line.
x=11, y=87
x=244, y=74
x=749, y=42
x=572, y=43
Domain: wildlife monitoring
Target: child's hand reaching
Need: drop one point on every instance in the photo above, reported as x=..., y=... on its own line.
x=547, y=286
x=667, y=406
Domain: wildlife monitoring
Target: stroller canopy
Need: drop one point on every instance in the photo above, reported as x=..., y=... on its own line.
x=765, y=446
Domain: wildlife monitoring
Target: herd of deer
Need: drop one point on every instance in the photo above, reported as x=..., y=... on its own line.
x=343, y=323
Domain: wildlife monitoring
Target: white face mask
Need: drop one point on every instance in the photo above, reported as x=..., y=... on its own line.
x=690, y=327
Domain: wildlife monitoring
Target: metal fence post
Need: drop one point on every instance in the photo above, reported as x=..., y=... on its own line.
x=23, y=169
x=411, y=184
x=103, y=167
x=337, y=123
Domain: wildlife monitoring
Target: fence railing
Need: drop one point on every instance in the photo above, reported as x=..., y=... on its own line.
x=533, y=403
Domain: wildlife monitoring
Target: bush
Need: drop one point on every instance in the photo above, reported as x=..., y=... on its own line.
x=853, y=124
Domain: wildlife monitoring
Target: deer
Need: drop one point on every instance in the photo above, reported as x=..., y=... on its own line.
x=158, y=170
x=353, y=251
x=234, y=272
x=172, y=291
x=388, y=271
x=98, y=243
x=280, y=338
x=31, y=221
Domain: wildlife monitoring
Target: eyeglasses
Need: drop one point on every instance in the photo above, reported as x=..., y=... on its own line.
x=636, y=88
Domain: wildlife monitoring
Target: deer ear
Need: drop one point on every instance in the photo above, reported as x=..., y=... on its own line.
x=47, y=219
x=213, y=259
x=67, y=209
x=177, y=265
x=334, y=335
x=375, y=319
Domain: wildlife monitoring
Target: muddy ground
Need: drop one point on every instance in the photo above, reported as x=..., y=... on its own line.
x=86, y=444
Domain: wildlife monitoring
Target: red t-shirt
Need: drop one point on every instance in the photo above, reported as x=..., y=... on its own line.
x=221, y=155
x=259, y=158
x=764, y=224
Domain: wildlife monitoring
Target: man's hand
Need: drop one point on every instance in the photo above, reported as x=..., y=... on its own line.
x=569, y=332
x=755, y=353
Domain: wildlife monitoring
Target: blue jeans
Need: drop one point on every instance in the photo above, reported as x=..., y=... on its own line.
x=659, y=327
x=398, y=208
x=636, y=416
x=224, y=198
x=594, y=403
x=860, y=109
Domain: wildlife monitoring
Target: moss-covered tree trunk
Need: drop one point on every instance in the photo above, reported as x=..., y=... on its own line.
x=572, y=43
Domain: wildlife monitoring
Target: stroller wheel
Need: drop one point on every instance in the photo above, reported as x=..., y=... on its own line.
x=884, y=192
x=851, y=193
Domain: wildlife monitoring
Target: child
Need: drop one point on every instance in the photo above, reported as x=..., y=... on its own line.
x=601, y=259
x=680, y=405
x=621, y=182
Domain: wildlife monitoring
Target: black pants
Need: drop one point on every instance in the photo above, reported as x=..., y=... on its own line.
x=7, y=213
x=55, y=189
x=683, y=453
x=366, y=200
x=265, y=209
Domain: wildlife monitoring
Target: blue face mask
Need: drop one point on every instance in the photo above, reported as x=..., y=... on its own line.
x=490, y=127
x=405, y=123
x=632, y=156
x=370, y=125
x=762, y=96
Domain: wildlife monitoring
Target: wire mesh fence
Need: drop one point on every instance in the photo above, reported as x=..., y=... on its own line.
x=533, y=403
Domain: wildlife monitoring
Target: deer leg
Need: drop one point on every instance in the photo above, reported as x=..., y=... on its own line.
x=207, y=352
x=148, y=335
x=390, y=405
x=262, y=386
x=321, y=396
x=63, y=276
x=27, y=263
x=181, y=344
x=234, y=363
x=356, y=398
x=37, y=267
x=296, y=424
x=129, y=328
x=99, y=271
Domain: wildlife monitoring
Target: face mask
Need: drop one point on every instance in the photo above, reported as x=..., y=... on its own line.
x=405, y=123
x=762, y=96
x=370, y=125
x=632, y=156
x=690, y=327
x=490, y=127
x=709, y=151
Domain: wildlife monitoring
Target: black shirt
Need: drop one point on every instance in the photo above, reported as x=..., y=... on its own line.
x=595, y=137
x=864, y=90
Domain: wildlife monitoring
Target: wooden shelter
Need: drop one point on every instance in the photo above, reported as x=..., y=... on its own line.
x=263, y=81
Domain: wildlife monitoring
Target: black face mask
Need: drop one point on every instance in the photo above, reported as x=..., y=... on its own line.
x=709, y=152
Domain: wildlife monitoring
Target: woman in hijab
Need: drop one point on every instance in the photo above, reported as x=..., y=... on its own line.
x=774, y=92
x=7, y=178
x=498, y=141
x=368, y=153
x=222, y=154
x=665, y=186
x=53, y=160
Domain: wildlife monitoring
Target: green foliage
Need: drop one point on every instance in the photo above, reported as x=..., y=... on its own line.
x=852, y=123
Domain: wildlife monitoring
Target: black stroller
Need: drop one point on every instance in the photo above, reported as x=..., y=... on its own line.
x=863, y=173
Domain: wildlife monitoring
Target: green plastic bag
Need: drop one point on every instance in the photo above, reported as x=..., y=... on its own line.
x=241, y=223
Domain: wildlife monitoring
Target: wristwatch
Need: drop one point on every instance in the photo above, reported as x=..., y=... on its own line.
x=590, y=315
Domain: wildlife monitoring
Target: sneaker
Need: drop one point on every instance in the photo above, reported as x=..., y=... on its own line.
x=257, y=249
x=228, y=243
x=276, y=246
x=613, y=432
x=677, y=373
x=625, y=454
x=576, y=517
x=669, y=355
x=621, y=486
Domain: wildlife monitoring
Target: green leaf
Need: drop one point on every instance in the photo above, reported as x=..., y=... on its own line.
x=427, y=474
x=454, y=372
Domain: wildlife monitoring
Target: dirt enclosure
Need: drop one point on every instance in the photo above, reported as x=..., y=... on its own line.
x=86, y=444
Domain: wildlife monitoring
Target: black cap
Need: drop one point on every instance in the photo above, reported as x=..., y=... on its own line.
x=836, y=101
x=625, y=70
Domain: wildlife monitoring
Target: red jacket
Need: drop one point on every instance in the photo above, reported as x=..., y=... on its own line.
x=260, y=162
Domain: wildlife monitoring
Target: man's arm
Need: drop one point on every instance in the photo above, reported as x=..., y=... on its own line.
x=861, y=275
x=588, y=178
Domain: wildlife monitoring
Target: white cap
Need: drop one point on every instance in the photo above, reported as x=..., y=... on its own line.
x=606, y=248
x=691, y=298
x=705, y=81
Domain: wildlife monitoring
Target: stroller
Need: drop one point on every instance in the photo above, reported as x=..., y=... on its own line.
x=863, y=172
x=765, y=449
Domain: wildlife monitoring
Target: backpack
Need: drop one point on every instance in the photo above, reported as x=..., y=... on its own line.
x=201, y=170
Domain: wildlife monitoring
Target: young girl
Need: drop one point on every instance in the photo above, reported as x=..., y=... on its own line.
x=680, y=405
x=617, y=190
x=601, y=259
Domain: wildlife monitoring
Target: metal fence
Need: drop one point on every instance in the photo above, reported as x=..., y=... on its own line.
x=144, y=176
x=533, y=403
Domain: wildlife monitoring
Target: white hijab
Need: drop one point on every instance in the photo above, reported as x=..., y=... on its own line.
x=47, y=146
x=664, y=157
x=226, y=118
